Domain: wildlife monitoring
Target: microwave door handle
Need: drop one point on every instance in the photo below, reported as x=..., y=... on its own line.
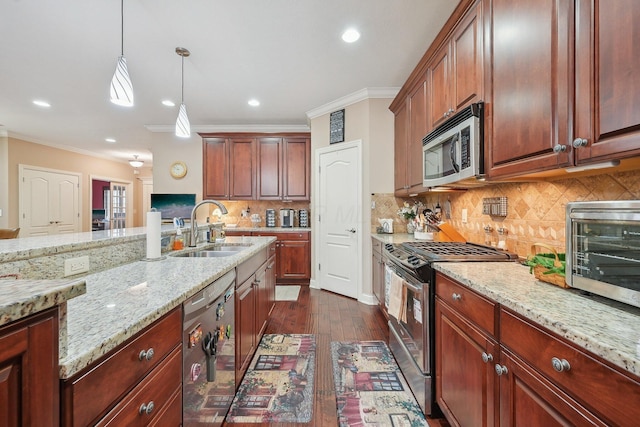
x=452, y=152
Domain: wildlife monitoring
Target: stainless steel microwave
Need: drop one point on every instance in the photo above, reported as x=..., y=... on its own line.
x=452, y=153
x=603, y=249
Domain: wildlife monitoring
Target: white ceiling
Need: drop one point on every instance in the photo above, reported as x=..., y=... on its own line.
x=286, y=53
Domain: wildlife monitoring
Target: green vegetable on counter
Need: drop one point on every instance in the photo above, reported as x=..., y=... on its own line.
x=546, y=261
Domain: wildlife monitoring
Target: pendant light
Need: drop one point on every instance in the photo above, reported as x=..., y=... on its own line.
x=135, y=162
x=183, y=128
x=121, y=87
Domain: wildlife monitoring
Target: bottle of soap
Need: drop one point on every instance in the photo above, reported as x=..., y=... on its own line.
x=178, y=243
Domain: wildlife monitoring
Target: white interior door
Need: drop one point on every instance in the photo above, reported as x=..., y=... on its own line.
x=340, y=216
x=118, y=205
x=49, y=202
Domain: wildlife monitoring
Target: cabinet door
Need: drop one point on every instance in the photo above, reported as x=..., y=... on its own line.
x=417, y=131
x=467, y=76
x=296, y=169
x=270, y=172
x=245, y=326
x=400, y=138
x=465, y=379
x=532, y=86
x=608, y=80
x=262, y=301
x=29, y=384
x=526, y=398
x=295, y=259
x=439, y=85
x=215, y=169
x=242, y=170
x=377, y=276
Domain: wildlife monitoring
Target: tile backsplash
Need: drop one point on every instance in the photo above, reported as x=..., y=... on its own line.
x=535, y=210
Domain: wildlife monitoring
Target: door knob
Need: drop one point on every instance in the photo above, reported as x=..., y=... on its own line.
x=352, y=230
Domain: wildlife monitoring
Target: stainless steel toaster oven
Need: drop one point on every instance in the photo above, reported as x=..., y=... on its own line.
x=603, y=249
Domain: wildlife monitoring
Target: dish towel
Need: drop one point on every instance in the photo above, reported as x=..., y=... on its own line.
x=397, y=298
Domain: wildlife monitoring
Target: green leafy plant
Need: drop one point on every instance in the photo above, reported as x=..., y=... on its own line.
x=546, y=261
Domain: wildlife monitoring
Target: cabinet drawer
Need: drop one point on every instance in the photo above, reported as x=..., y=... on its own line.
x=156, y=392
x=376, y=245
x=481, y=311
x=588, y=380
x=286, y=235
x=120, y=371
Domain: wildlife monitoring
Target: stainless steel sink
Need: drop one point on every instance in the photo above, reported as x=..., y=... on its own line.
x=214, y=251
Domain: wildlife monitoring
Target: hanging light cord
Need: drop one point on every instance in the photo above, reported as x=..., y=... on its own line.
x=182, y=98
x=121, y=27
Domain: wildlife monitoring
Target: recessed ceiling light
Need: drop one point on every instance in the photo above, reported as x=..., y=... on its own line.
x=41, y=103
x=168, y=103
x=350, y=35
x=110, y=140
x=253, y=102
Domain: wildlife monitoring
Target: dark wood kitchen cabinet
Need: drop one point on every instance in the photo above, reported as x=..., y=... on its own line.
x=456, y=77
x=494, y=367
x=465, y=347
x=377, y=274
x=29, y=383
x=283, y=168
x=146, y=368
x=229, y=168
x=565, y=81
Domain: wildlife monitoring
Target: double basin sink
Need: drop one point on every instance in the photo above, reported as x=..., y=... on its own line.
x=214, y=251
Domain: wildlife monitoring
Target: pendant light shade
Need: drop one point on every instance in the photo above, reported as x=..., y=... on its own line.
x=183, y=127
x=121, y=87
x=135, y=162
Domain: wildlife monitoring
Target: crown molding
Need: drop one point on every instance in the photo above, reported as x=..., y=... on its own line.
x=352, y=98
x=232, y=128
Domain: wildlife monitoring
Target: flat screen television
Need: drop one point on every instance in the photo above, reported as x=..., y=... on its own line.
x=173, y=205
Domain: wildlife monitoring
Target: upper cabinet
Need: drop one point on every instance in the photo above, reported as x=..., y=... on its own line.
x=446, y=80
x=256, y=166
x=548, y=110
x=456, y=70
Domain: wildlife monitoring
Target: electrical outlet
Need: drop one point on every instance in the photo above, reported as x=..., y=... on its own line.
x=464, y=216
x=76, y=265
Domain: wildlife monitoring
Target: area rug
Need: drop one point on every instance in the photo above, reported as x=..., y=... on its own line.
x=287, y=293
x=278, y=386
x=370, y=389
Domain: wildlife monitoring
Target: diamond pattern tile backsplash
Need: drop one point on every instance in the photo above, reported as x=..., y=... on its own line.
x=535, y=210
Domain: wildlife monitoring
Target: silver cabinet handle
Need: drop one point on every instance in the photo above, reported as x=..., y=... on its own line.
x=146, y=354
x=559, y=148
x=146, y=408
x=560, y=365
x=456, y=297
x=501, y=370
x=579, y=142
x=352, y=230
x=487, y=357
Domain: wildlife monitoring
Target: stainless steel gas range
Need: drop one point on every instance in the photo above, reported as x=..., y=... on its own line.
x=409, y=299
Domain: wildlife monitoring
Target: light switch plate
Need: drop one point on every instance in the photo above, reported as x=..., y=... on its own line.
x=75, y=266
x=464, y=216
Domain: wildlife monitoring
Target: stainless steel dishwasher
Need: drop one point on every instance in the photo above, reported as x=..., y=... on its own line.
x=208, y=342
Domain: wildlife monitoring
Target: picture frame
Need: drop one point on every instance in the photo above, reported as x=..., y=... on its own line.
x=336, y=126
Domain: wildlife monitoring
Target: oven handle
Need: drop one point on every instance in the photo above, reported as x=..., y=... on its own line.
x=415, y=288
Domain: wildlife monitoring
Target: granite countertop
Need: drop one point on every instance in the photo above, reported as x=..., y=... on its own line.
x=604, y=327
x=122, y=301
x=21, y=298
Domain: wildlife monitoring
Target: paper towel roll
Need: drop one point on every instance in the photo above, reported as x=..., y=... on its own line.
x=153, y=234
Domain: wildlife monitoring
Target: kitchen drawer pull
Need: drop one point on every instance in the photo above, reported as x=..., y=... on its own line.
x=146, y=408
x=501, y=370
x=487, y=357
x=560, y=365
x=559, y=148
x=579, y=142
x=456, y=297
x=146, y=355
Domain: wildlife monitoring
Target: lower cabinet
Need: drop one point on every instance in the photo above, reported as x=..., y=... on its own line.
x=293, y=254
x=523, y=375
x=138, y=383
x=377, y=272
x=29, y=392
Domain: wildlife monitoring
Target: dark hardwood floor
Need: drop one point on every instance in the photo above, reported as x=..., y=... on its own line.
x=330, y=317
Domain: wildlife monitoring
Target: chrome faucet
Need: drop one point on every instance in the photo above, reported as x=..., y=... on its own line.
x=193, y=237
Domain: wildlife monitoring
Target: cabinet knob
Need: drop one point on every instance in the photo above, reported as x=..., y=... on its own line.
x=456, y=297
x=501, y=370
x=146, y=408
x=560, y=365
x=146, y=354
x=559, y=148
x=487, y=357
x=579, y=142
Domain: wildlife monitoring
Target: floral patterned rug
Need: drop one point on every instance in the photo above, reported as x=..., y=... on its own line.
x=370, y=389
x=278, y=386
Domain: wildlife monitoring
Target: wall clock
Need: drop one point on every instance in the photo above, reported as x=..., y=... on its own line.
x=178, y=170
